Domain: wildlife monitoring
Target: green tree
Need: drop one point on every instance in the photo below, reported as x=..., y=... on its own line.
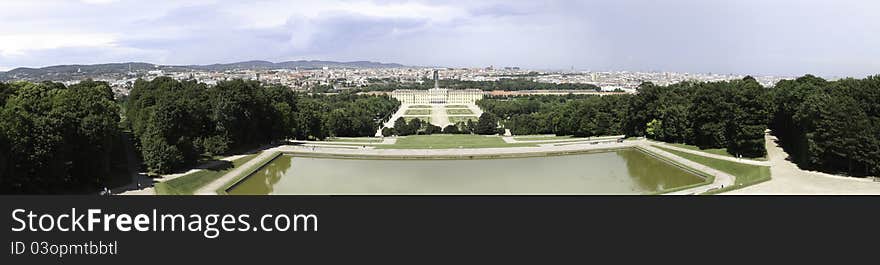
x=487, y=125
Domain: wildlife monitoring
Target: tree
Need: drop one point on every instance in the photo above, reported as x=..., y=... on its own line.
x=55, y=138
x=432, y=129
x=654, y=129
x=487, y=125
x=388, y=131
x=451, y=129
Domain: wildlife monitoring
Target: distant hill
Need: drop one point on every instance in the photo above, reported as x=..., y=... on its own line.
x=67, y=72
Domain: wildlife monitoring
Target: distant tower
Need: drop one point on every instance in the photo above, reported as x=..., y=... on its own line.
x=436, y=79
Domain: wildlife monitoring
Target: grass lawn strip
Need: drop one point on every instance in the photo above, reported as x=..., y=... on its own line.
x=423, y=118
x=188, y=184
x=459, y=112
x=417, y=112
x=746, y=175
x=716, y=151
x=457, y=119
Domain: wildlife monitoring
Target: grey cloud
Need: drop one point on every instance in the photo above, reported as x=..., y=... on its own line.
x=749, y=36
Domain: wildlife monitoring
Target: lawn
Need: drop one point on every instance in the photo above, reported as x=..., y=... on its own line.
x=424, y=119
x=716, y=151
x=356, y=140
x=745, y=174
x=456, y=106
x=542, y=137
x=447, y=141
x=420, y=107
x=456, y=119
x=188, y=184
x=418, y=112
x=459, y=112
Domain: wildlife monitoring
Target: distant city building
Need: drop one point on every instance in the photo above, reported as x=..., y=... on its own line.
x=437, y=95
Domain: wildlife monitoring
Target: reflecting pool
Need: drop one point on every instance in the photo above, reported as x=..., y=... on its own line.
x=625, y=171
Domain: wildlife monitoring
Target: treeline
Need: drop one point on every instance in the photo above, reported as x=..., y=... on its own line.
x=507, y=84
x=833, y=126
x=176, y=123
x=731, y=115
x=56, y=139
x=578, y=115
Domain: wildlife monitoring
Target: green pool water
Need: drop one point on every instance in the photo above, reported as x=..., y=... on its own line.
x=626, y=171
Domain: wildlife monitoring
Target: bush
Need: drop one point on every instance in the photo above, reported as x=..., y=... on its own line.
x=433, y=129
x=387, y=131
x=451, y=129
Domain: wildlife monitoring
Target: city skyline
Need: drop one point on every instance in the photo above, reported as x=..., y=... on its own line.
x=742, y=37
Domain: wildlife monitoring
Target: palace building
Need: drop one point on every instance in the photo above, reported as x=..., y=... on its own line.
x=437, y=95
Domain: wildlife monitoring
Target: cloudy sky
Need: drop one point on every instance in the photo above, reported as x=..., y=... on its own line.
x=788, y=37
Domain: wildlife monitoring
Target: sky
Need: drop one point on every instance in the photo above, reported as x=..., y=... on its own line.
x=781, y=37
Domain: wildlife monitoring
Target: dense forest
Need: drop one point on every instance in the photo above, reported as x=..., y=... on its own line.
x=57, y=139
x=730, y=115
x=578, y=115
x=833, y=126
x=178, y=122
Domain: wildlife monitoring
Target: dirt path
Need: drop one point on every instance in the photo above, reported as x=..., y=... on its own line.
x=787, y=178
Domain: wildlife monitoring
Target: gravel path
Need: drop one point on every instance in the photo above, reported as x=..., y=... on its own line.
x=787, y=178
x=439, y=116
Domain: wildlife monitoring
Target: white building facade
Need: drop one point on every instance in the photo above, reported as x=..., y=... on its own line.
x=438, y=96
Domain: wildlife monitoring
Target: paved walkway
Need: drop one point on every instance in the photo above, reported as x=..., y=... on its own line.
x=397, y=115
x=788, y=179
x=439, y=116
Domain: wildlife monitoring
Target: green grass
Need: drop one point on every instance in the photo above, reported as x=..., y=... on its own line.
x=459, y=111
x=417, y=112
x=456, y=106
x=457, y=119
x=420, y=107
x=716, y=151
x=188, y=184
x=247, y=172
x=356, y=140
x=538, y=137
x=424, y=119
x=746, y=174
x=447, y=141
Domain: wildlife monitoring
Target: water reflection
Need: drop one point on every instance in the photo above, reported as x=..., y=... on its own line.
x=626, y=171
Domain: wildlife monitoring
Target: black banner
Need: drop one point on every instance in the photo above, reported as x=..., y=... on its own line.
x=417, y=229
